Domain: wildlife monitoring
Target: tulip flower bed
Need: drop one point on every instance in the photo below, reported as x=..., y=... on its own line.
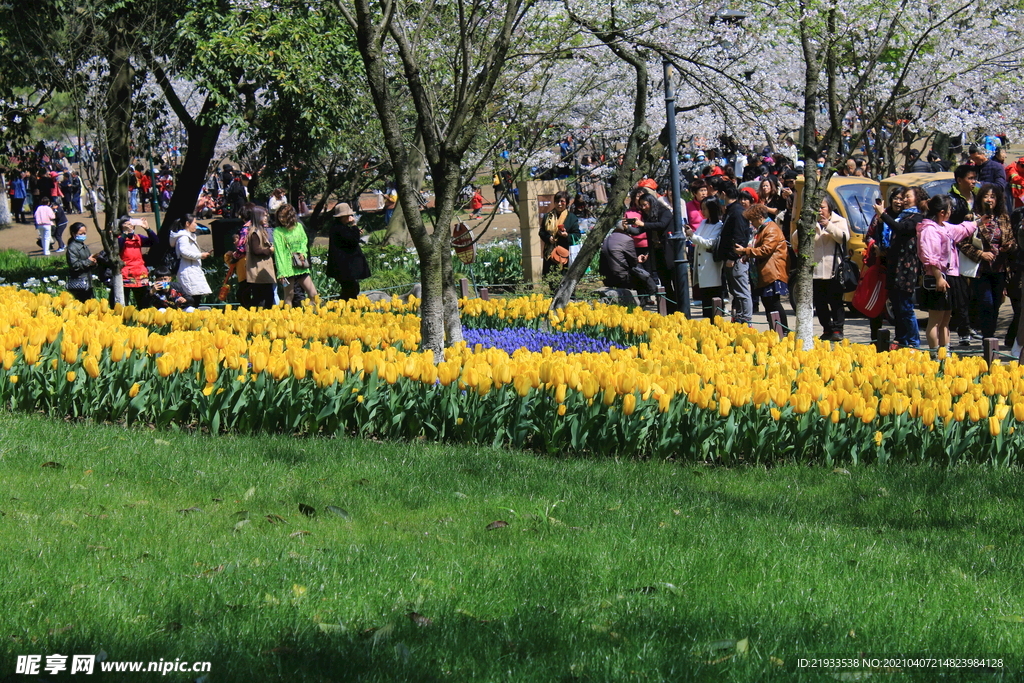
x=675, y=388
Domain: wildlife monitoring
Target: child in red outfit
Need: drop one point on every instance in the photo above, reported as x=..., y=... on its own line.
x=476, y=203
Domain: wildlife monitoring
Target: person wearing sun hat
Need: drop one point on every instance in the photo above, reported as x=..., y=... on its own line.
x=346, y=263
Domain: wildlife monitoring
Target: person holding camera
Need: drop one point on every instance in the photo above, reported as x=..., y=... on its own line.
x=165, y=292
x=134, y=273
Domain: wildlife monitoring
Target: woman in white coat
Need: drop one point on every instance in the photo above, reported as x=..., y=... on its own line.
x=708, y=271
x=190, y=267
x=831, y=233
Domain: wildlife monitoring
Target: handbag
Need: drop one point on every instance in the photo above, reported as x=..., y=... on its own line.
x=574, y=250
x=968, y=266
x=844, y=270
x=871, y=293
x=299, y=260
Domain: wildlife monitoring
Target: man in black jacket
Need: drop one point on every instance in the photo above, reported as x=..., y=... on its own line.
x=964, y=183
x=735, y=230
x=965, y=178
x=620, y=263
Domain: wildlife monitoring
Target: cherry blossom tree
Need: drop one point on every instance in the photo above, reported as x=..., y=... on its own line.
x=903, y=52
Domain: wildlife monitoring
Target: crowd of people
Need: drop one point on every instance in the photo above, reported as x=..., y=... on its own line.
x=270, y=260
x=954, y=256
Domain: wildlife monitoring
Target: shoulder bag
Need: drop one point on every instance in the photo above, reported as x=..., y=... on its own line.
x=844, y=270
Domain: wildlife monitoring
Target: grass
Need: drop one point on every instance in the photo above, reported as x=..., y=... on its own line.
x=17, y=266
x=152, y=545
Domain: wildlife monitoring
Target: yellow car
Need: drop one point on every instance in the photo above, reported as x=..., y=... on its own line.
x=854, y=197
x=933, y=183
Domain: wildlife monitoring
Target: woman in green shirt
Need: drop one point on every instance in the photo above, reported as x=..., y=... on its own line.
x=291, y=255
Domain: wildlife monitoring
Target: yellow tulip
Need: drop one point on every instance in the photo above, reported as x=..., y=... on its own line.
x=994, y=426
x=91, y=366
x=561, y=410
x=1018, y=411
x=13, y=379
x=628, y=404
x=134, y=391
x=878, y=438
x=30, y=354
x=560, y=393
x=724, y=406
x=522, y=384
x=70, y=376
x=824, y=409
x=775, y=414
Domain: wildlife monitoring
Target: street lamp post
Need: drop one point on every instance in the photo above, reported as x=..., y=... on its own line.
x=681, y=269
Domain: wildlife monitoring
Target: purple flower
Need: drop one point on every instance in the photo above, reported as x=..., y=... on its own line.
x=512, y=338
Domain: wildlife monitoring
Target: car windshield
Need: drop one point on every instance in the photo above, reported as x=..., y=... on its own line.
x=937, y=187
x=857, y=201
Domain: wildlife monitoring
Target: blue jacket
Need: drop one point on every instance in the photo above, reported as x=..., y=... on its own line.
x=18, y=188
x=993, y=172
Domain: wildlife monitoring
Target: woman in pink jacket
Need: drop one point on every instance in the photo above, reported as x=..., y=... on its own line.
x=943, y=289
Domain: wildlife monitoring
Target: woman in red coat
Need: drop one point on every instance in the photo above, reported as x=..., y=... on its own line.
x=134, y=274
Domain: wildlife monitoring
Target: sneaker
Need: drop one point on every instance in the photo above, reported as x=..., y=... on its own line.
x=976, y=335
x=59, y=251
x=965, y=339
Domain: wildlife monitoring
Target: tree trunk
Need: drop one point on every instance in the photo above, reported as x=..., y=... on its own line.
x=117, y=124
x=623, y=182
x=431, y=304
x=397, y=230
x=452, y=320
x=803, y=276
x=188, y=183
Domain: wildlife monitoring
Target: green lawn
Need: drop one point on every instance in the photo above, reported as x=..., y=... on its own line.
x=150, y=545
